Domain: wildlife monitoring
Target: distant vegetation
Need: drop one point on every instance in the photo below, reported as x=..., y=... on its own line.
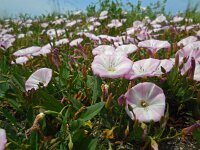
x=110, y=77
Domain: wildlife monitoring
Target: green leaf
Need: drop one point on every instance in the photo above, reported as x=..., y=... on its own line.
x=94, y=83
x=92, y=144
x=13, y=103
x=34, y=141
x=172, y=77
x=196, y=134
x=30, y=116
x=49, y=102
x=4, y=86
x=92, y=111
x=76, y=124
x=9, y=116
x=67, y=114
x=76, y=104
x=137, y=132
x=18, y=81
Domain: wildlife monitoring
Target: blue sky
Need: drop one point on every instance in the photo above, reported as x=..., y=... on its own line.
x=38, y=7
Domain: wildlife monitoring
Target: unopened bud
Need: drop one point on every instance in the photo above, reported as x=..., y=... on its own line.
x=126, y=132
x=70, y=144
x=191, y=128
x=84, y=71
x=192, y=69
x=35, y=125
x=109, y=100
x=121, y=100
x=104, y=89
x=177, y=60
x=54, y=57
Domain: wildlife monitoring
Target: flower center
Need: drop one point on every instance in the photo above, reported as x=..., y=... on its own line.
x=143, y=103
x=111, y=69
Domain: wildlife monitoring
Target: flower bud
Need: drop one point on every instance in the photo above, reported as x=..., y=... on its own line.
x=84, y=71
x=121, y=100
x=70, y=144
x=109, y=100
x=104, y=89
x=55, y=59
x=189, y=129
x=177, y=60
x=126, y=132
x=192, y=68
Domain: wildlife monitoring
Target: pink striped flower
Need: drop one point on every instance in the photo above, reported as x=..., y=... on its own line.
x=27, y=51
x=187, y=40
x=126, y=49
x=42, y=75
x=111, y=66
x=192, y=50
x=142, y=68
x=165, y=64
x=3, y=139
x=145, y=102
x=76, y=42
x=197, y=71
x=103, y=49
x=154, y=45
x=20, y=60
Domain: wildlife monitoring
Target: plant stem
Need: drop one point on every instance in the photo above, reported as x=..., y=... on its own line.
x=170, y=138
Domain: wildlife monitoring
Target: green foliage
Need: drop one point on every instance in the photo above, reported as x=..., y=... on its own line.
x=72, y=105
x=196, y=134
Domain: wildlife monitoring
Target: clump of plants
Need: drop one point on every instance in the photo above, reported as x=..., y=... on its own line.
x=107, y=78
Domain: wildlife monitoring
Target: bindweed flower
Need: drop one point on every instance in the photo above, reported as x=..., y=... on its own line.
x=177, y=19
x=5, y=45
x=142, y=68
x=52, y=33
x=197, y=71
x=46, y=49
x=92, y=36
x=71, y=23
x=20, y=60
x=145, y=102
x=44, y=25
x=111, y=66
x=103, y=49
x=110, y=50
x=126, y=49
x=115, y=23
x=154, y=45
x=27, y=51
x=76, y=42
x=166, y=64
x=189, y=51
x=187, y=40
x=138, y=24
x=144, y=35
x=103, y=15
x=42, y=75
x=159, y=19
x=3, y=139
x=61, y=42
